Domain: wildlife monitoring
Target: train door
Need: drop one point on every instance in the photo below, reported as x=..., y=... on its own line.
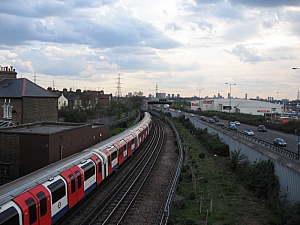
x=129, y=146
x=125, y=151
x=104, y=161
x=29, y=207
x=138, y=141
x=97, y=160
x=120, y=155
x=71, y=180
x=44, y=205
x=79, y=178
x=109, y=161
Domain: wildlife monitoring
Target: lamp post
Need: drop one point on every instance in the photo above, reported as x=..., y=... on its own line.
x=199, y=95
x=298, y=141
x=229, y=100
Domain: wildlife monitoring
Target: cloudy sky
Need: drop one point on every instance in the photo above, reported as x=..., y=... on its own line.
x=186, y=47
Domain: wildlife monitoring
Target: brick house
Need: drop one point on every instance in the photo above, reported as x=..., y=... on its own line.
x=23, y=101
x=81, y=99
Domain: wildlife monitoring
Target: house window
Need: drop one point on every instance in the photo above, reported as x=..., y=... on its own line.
x=7, y=109
x=65, y=103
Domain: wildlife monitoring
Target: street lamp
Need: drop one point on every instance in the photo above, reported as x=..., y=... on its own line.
x=295, y=68
x=229, y=98
x=199, y=89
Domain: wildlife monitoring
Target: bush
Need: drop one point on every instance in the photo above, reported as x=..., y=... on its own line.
x=192, y=196
x=201, y=155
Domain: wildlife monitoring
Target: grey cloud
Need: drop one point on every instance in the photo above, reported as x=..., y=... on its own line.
x=205, y=26
x=172, y=26
x=112, y=31
x=249, y=54
x=254, y=3
x=266, y=3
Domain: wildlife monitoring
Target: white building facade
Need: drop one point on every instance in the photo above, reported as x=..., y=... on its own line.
x=236, y=105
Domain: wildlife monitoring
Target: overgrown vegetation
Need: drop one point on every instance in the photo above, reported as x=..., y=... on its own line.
x=115, y=107
x=230, y=190
x=122, y=127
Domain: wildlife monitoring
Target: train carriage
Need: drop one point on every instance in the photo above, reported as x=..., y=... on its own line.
x=130, y=140
x=45, y=195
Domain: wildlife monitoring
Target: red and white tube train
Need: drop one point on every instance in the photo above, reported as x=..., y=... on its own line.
x=44, y=196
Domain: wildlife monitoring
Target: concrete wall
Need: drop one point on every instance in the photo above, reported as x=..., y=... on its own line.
x=287, y=169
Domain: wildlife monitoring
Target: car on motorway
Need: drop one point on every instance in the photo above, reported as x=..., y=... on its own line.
x=179, y=111
x=262, y=128
x=233, y=127
x=237, y=123
x=192, y=115
x=231, y=124
x=221, y=124
x=249, y=132
x=216, y=118
x=279, y=142
x=211, y=120
x=203, y=118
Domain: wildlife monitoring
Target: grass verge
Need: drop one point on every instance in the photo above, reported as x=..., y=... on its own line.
x=207, y=184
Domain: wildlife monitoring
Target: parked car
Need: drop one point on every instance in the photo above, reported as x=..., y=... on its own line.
x=216, y=119
x=279, y=142
x=233, y=127
x=262, y=128
x=249, y=132
x=203, y=118
x=192, y=115
x=221, y=124
x=211, y=120
x=237, y=123
x=231, y=124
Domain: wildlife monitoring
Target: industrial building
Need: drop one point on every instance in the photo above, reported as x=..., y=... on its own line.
x=237, y=105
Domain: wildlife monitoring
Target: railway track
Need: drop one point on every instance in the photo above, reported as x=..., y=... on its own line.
x=102, y=199
x=114, y=208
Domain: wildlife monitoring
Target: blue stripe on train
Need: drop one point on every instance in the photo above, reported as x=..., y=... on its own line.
x=60, y=213
x=89, y=188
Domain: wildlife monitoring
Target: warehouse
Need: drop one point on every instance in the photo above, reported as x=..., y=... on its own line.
x=237, y=105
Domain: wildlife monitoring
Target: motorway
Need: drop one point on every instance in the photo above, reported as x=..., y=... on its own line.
x=290, y=139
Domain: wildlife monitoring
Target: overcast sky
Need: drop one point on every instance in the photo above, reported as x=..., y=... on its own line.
x=183, y=47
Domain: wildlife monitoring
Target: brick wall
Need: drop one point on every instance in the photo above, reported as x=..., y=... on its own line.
x=10, y=154
x=39, y=110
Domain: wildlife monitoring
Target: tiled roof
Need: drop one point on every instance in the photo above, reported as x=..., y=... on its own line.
x=21, y=87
